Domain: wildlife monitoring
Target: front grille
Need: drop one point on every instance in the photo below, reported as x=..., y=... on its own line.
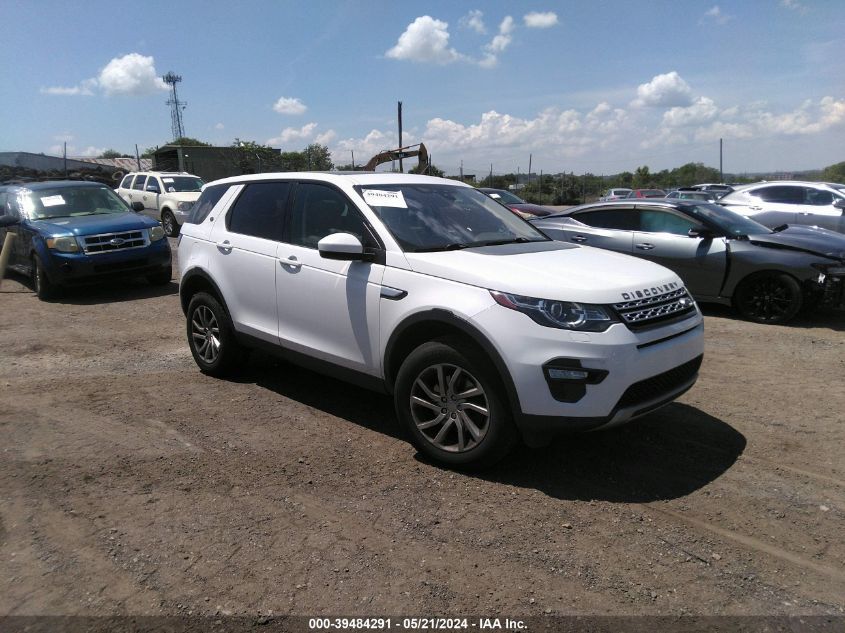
x=110, y=242
x=660, y=385
x=648, y=311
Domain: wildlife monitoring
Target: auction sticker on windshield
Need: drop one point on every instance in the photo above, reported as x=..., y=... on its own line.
x=52, y=201
x=379, y=198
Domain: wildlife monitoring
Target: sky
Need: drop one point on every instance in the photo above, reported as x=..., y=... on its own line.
x=585, y=85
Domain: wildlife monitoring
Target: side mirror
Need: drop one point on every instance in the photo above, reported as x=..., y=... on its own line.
x=137, y=206
x=152, y=189
x=8, y=220
x=839, y=203
x=342, y=246
x=705, y=234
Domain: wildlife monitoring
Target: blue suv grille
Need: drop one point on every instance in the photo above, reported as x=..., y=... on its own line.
x=110, y=242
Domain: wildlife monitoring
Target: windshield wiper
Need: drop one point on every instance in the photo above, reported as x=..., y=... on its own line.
x=454, y=246
x=512, y=240
x=780, y=228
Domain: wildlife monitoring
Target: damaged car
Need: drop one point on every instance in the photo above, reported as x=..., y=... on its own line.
x=767, y=275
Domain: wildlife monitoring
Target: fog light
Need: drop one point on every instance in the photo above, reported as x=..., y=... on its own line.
x=567, y=374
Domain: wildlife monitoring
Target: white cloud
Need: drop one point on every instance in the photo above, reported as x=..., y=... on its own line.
x=326, y=137
x=425, y=40
x=290, y=134
x=83, y=89
x=474, y=21
x=289, y=105
x=91, y=152
x=219, y=126
x=132, y=74
x=714, y=14
x=537, y=20
x=666, y=90
x=701, y=111
x=498, y=44
x=794, y=5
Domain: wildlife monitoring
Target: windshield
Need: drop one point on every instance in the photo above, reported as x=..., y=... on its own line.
x=424, y=217
x=64, y=202
x=504, y=196
x=727, y=221
x=182, y=183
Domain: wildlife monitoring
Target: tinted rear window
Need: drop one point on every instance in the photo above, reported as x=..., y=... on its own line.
x=210, y=197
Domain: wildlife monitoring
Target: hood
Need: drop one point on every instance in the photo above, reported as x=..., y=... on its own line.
x=182, y=196
x=804, y=238
x=533, y=209
x=549, y=270
x=94, y=224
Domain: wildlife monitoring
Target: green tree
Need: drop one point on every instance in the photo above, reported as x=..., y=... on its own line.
x=187, y=140
x=111, y=153
x=642, y=178
x=317, y=157
x=834, y=173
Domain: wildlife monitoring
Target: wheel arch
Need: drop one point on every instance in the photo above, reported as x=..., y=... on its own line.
x=197, y=280
x=432, y=324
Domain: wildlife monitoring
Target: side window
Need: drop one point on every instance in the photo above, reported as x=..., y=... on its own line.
x=259, y=210
x=618, y=219
x=653, y=221
x=127, y=181
x=320, y=211
x=153, y=185
x=139, y=182
x=208, y=198
x=782, y=194
x=818, y=197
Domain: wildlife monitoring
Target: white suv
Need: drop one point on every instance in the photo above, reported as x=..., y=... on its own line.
x=481, y=327
x=166, y=196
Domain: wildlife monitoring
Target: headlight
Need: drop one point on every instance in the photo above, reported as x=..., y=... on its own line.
x=566, y=315
x=184, y=206
x=156, y=233
x=65, y=244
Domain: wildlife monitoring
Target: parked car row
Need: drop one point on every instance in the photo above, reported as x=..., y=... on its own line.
x=484, y=327
x=166, y=196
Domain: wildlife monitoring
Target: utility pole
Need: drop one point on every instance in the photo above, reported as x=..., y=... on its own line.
x=721, y=174
x=462, y=170
x=353, y=158
x=137, y=157
x=529, y=168
x=401, y=170
x=64, y=155
x=491, y=174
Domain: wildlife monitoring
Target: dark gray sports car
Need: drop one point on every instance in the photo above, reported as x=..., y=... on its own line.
x=723, y=257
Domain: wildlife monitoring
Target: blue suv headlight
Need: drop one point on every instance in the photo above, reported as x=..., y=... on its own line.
x=63, y=244
x=156, y=233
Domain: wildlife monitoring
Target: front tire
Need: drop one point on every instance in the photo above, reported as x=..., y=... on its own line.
x=169, y=223
x=211, y=336
x=449, y=399
x=768, y=297
x=44, y=288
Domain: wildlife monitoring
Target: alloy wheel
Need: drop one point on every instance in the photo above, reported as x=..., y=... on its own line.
x=205, y=334
x=449, y=408
x=768, y=299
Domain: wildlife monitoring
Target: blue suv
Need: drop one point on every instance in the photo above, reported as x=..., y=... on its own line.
x=72, y=233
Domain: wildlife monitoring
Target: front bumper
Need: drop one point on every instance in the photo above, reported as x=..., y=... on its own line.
x=641, y=371
x=69, y=269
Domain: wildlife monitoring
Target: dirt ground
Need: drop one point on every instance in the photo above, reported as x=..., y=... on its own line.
x=130, y=483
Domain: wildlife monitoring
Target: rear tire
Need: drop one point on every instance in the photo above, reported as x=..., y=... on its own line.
x=44, y=288
x=449, y=398
x=768, y=297
x=211, y=336
x=169, y=223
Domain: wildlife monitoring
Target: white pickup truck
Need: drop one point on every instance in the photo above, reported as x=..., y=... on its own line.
x=166, y=196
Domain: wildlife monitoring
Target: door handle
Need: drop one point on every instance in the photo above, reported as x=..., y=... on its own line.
x=578, y=238
x=756, y=208
x=291, y=261
x=645, y=246
x=224, y=246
